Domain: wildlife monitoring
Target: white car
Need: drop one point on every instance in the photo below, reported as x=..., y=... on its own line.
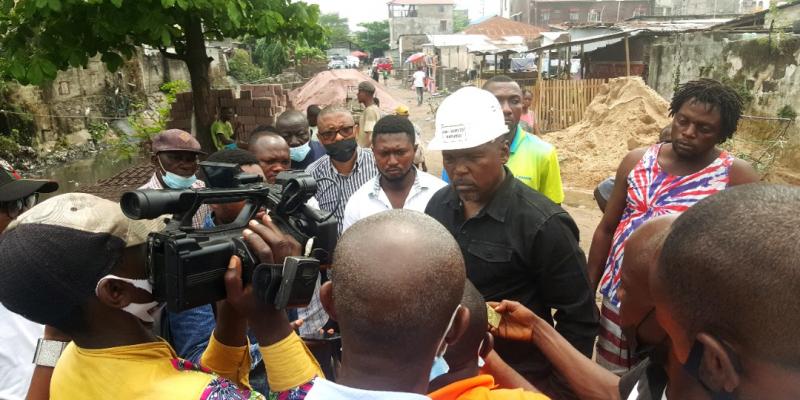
x=336, y=64
x=353, y=62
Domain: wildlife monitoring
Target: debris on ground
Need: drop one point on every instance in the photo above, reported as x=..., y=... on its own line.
x=337, y=87
x=625, y=115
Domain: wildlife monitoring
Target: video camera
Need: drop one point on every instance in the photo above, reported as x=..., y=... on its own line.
x=186, y=265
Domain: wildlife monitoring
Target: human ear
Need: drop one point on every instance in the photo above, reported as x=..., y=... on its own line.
x=326, y=298
x=115, y=293
x=504, y=152
x=717, y=368
x=460, y=325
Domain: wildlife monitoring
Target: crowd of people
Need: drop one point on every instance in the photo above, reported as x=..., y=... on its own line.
x=469, y=287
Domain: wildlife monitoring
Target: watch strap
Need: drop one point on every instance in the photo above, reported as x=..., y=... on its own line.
x=48, y=352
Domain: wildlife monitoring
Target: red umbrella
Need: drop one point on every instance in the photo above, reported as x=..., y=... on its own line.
x=415, y=57
x=359, y=54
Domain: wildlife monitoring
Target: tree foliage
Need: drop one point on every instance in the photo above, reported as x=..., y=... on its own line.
x=43, y=36
x=40, y=37
x=374, y=38
x=272, y=57
x=460, y=20
x=337, y=28
x=242, y=67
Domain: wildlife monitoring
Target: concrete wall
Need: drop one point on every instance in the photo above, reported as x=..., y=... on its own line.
x=705, y=7
x=759, y=66
x=557, y=12
x=427, y=21
x=78, y=97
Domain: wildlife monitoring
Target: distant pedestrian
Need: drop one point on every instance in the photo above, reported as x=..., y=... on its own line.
x=419, y=83
x=371, y=114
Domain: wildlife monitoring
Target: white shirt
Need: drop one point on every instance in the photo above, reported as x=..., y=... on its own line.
x=370, y=198
x=419, y=78
x=327, y=390
x=18, y=338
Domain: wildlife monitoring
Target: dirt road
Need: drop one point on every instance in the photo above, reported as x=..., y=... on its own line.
x=578, y=203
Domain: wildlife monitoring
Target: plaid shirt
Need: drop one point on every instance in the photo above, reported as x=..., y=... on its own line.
x=199, y=219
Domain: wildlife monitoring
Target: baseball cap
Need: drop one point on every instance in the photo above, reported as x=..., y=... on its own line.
x=55, y=253
x=366, y=87
x=13, y=187
x=175, y=140
x=402, y=109
x=467, y=118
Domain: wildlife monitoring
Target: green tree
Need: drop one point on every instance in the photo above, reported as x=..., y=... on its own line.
x=460, y=20
x=272, y=57
x=242, y=67
x=374, y=38
x=44, y=36
x=337, y=28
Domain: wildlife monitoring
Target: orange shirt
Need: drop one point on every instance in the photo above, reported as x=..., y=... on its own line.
x=482, y=387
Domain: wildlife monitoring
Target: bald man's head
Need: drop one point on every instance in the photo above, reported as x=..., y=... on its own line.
x=398, y=276
x=292, y=125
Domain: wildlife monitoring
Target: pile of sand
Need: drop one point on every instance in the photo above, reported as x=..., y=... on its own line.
x=626, y=114
x=331, y=87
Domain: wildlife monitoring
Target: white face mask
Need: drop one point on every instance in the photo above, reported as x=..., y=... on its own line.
x=145, y=311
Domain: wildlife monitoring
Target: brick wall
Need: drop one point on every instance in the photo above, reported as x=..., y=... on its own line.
x=256, y=105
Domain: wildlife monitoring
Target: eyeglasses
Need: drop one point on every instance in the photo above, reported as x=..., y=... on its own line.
x=345, y=131
x=17, y=207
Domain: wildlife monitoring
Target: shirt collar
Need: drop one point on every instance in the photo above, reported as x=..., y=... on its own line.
x=519, y=137
x=498, y=205
x=418, y=184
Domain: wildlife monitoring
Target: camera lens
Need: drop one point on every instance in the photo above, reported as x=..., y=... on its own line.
x=150, y=204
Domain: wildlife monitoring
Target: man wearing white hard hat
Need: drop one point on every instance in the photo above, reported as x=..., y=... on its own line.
x=517, y=244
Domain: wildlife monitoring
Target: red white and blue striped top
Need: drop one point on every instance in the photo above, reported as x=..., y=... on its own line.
x=653, y=192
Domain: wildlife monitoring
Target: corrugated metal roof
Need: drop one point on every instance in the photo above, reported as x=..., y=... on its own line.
x=456, y=39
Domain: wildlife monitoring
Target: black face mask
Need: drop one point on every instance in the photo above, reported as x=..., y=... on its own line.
x=342, y=150
x=692, y=367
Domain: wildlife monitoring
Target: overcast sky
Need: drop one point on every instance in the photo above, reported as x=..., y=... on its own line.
x=374, y=10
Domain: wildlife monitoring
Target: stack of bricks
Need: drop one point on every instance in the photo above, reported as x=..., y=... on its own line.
x=256, y=105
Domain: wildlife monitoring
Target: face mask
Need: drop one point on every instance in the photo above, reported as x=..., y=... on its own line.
x=692, y=367
x=144, y=312
x=342, y=150
x=440, y=366
x=175, y=181
x=299, y=153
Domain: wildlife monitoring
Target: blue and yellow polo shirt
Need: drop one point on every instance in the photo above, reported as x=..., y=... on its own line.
x=534, y=162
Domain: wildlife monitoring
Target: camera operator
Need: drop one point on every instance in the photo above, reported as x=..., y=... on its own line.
x=174, y=156
x=89, y=259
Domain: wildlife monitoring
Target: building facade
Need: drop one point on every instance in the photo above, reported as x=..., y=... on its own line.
x=413, y=19
x=551, y=12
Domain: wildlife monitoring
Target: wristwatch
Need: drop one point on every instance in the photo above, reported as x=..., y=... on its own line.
x=48, y=352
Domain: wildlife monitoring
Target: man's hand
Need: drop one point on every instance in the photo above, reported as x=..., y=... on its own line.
x=271, y=246
x=268, y=243
x=517, y=322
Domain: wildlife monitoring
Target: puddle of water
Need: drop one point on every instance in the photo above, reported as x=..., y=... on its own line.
x=86, y=172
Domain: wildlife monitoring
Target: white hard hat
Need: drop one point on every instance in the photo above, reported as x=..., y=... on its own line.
x=468, y=118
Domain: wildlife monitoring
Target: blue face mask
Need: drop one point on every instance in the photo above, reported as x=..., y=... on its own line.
x=440, y=366
x=175, y=181
x=299, y=153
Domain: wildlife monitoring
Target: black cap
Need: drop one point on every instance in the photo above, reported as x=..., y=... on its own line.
x=13, y=187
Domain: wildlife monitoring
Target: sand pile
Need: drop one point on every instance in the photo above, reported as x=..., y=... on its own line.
x=626, y=114
x=331, y=87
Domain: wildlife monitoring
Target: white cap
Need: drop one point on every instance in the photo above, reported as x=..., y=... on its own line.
x=468, y=118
